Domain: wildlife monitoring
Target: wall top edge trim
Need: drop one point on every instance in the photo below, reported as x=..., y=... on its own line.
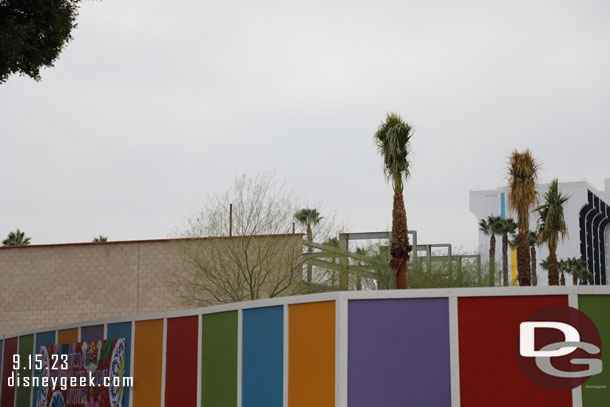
x=31, y=246
x=336, y=296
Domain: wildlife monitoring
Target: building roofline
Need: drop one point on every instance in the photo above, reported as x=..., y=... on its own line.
x=143, y=241
x=540, y=184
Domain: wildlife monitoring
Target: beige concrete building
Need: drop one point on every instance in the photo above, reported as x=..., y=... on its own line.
x=44, y=285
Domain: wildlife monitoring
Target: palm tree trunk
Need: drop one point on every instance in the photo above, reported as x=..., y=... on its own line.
x=563, y=278
x=533, y=259
x=523, y=259
x=492, y=259
x=553, y=268
x=574, y=279
x=309, y=250
x=505, y=259
x=400, y=246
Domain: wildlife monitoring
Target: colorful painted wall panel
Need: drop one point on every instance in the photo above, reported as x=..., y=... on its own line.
x=67, y=336
x=1, y=356
x=26, y=348
x=103, y=358
x=122, y=330
x=488, y=338
x=596, y=391
x=219, y=360
x=181, y=361
x=148, y=363
x=92, y=333
x=263, y=357
x=8, y=393
x=398, y=351
x=311, y=353
x=42, y=339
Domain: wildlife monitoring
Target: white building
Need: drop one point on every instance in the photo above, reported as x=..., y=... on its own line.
x=587, y=216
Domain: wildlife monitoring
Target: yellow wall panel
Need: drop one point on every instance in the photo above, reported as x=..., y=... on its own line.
x=148, y=363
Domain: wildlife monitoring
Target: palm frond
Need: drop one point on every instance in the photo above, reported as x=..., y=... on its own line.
x=552, y=224
x=393, y=143
x=522, y=177
x=308, y=216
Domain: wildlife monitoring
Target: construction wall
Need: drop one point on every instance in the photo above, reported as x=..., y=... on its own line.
x=388, y=348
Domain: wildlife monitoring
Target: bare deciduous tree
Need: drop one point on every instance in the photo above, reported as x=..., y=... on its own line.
x=262, y=258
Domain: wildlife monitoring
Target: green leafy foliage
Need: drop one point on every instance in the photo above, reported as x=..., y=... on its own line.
x=33, y=34
x=16, y=238
x=552, y=223
x=393, y=142
x=491, y=226
x=308, y=216
x=439, y=272
x=522, y=177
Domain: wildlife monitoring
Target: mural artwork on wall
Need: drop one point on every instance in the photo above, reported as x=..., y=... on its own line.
x=80, y=363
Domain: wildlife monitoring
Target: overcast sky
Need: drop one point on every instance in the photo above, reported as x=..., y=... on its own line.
x=155, y=105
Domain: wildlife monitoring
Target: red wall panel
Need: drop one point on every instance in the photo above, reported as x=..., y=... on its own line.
x=8, y=393
x=181, y=362
x=490, y=374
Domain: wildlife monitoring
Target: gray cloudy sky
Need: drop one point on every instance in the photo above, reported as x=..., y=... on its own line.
x=157, y=104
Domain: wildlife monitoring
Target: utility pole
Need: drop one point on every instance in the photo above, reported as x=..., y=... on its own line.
x=230, y=219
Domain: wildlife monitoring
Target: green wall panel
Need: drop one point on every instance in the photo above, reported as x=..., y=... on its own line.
x=26, y=347
x=596, y=391
x=219, y=360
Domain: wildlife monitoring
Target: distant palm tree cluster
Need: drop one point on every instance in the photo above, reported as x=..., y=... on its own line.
x=574, y=266
x=551, y=227
x=19, y=238
x=16, y=238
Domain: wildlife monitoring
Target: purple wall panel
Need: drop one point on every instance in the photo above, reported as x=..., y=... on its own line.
x=398, y=353
x=92, y=333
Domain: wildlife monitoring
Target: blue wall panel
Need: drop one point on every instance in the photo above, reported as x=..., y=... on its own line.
x=263, y=357
x=502, y=205
x=123, y=330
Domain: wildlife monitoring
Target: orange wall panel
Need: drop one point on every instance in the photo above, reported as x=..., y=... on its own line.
x=148, y=363
x=67, y=336
x=311, y=354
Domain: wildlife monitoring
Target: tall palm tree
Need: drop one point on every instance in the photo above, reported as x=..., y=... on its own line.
x=507, y=228
x=16, y=238
x=522, y=196
x=552, y=226
x=393, y=143
x=308, y=217
x=491, y=226
x=532, y=240
x=100, y=238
